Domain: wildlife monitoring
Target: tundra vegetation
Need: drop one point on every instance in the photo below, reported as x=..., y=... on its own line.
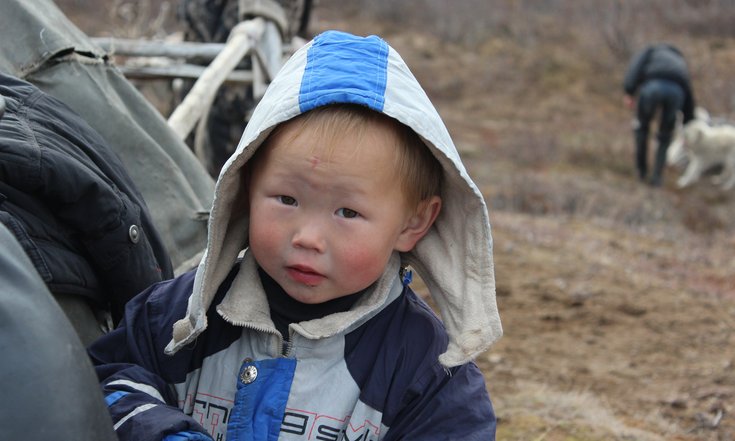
x=617, y=299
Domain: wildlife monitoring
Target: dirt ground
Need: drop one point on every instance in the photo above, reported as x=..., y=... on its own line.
x=617, y=299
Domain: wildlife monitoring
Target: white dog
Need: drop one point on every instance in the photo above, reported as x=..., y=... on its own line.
x=675, y=154
x=706, y=145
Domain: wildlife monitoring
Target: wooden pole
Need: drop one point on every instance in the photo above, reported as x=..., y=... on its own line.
x=241, y=40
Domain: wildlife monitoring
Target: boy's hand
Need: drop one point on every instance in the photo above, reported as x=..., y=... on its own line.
x=628, y=101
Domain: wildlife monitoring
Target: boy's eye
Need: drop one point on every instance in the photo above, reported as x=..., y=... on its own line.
x=347, y=213
x=287, y=200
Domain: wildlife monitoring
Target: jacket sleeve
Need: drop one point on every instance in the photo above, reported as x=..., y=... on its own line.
x=135, y=374
x=401, y=376
x=634, y=74
x=446, y=404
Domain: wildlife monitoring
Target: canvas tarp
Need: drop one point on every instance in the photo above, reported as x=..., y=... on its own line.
x=42, y=46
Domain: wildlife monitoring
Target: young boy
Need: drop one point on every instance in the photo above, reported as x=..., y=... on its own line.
x=299, y=323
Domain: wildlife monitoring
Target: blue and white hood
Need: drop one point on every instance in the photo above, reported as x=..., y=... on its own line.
x=454, y=259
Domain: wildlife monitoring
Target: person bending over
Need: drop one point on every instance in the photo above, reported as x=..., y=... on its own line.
x=659, y=77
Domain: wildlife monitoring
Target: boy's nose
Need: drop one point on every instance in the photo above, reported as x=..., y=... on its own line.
x=309, y=237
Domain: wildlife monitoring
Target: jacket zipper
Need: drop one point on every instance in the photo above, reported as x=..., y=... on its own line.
x=286, y=343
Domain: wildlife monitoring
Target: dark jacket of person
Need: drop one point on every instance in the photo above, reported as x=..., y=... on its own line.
x=68, y=200
x=661, y=61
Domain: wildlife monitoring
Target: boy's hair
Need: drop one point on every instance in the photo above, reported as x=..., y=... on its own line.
x=419, y=171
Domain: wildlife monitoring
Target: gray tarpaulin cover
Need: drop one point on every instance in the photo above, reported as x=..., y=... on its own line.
x=40, y=45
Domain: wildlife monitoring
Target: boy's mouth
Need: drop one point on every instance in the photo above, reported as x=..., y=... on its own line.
x=304, y=274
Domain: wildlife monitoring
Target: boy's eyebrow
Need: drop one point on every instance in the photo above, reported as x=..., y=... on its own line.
x=345, y=184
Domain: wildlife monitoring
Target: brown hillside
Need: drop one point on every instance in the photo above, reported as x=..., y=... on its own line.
x=617, y=299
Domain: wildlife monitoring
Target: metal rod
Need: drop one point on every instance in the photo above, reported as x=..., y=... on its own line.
x=185, y=50
x=188, y=71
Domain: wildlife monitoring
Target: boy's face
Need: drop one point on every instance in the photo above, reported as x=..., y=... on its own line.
x=325, y=219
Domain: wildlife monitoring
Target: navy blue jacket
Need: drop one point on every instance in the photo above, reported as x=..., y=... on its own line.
x=379, y=381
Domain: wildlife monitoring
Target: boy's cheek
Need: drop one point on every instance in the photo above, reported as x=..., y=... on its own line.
x=264, y=233
x=362, y=263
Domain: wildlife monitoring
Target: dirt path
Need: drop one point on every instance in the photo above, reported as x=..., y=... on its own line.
x=592, y=314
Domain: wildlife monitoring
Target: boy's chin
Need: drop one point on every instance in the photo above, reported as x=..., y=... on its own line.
x=309, y=295
x=313, y=295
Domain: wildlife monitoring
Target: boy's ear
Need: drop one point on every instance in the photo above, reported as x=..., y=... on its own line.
x=418, y=225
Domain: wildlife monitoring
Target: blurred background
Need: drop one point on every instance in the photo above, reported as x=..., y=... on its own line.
x=617, y=299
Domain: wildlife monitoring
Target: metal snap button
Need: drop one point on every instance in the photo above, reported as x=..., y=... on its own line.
x=249, y=374
x=134, y=233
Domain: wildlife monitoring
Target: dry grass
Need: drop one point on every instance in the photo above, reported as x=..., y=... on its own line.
x=602, y=281
x=616, y=298
x=539, y=412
